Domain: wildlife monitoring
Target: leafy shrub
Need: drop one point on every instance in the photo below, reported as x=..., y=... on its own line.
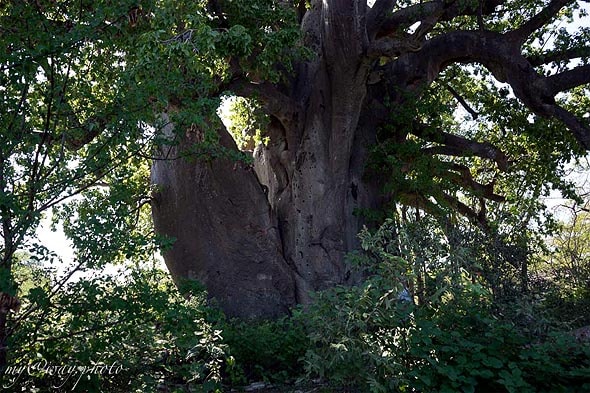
x=455, y=341
x=455, y=345
x=150, y=336
x=265, y=350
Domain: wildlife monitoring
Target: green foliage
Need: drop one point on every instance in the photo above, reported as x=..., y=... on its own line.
x=266, y=31
x=84, y=87
x=506, y=190
x=29, y=273
x=564, y=271
x=142, y=327
x=452, y=340
x=69, y=117
x=268, y=351
x=247, y=123
x=111, y=223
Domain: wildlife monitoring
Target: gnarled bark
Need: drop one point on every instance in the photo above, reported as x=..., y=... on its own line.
x=230, y=235
x=262, y=239
x=225, y=234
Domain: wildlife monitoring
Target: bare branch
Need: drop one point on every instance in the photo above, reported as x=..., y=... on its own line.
x=462, y=101
x=536, y=22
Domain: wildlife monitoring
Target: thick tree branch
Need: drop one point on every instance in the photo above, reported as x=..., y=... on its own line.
x=458, y=146
x=419, y=201
x=580, y=130
x=410, y=15
x=536, y=22
x=277, y=104
x=377, y=15
x=569, y=79
x=435, y=10
x=301, y=10
x=554, y=56
x=217, y=11
x=393, y=46
x=90, y=130
x=464, y=210
x=502, y=56
x=462, y=177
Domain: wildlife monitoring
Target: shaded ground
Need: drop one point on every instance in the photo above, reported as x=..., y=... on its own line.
x=303, y=387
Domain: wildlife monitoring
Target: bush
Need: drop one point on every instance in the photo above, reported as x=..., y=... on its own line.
x=378, y=339
x=455, y=345
x=269, y=351
x=138, y=333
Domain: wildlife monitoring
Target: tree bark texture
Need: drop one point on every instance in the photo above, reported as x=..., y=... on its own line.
x=262, y=238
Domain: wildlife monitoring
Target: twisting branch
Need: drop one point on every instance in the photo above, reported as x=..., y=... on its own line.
x=458, y=146
x=536, y=22
x=554, y=56
x=569, y=79
x=501, y=54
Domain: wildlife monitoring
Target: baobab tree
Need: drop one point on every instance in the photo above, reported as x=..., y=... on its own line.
x=362, y=101
x=262, y=235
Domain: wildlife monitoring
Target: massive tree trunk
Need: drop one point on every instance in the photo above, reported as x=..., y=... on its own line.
x=262, y=238
x=225, y=234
